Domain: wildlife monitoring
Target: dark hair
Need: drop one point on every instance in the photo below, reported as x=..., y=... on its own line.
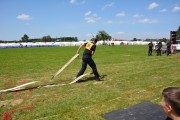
x=95, y=40
x=172, y=97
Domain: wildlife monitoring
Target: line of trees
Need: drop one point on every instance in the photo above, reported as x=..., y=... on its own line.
x=148, y=40
x=47, y=38
x=101, y=35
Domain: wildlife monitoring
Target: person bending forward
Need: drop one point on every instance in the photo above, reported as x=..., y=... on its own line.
x=89, y=51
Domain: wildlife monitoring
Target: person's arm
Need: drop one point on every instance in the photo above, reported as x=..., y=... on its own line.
x=79, y=48
x=92, y=53
x=93, y=50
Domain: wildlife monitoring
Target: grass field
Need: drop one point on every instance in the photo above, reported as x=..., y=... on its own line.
x=130, y=78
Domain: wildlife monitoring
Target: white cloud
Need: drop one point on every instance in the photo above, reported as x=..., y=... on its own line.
x=90, y=20
x=153, y=5
x=137, y=15
x=72, y=1
x=23, y=17
x=87, y=13
x=176, y=8
x=163, y=10
x=107, y=5
x=91, y=17
x=109, y=22
x=148, y=21
x=121, y=14
x=77, y=2
x=120, y=33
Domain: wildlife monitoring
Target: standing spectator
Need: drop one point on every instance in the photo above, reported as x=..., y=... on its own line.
x=150, y=48
x=171, y=102
x=168, y=50
x=159, y=49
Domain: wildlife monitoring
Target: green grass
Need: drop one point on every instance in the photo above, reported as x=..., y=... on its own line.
x=130, y=78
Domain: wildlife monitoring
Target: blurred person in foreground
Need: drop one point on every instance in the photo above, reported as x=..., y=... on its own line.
x=171, y=102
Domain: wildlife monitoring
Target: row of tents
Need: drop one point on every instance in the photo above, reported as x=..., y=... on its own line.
x=55, y=44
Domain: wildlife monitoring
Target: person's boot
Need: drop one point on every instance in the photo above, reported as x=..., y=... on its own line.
x=100, y=78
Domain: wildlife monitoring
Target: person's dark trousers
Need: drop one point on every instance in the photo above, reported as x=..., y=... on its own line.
x=158, y=52
x=168, y=51
x=91, y=63
x=149, y=52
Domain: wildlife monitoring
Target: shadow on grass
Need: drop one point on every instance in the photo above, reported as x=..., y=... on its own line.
x=90, y=79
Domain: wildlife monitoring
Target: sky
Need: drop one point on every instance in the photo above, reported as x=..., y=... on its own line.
x=121, y=19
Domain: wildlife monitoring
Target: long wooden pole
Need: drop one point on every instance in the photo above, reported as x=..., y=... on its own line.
x=60, y=70
x=18, y=87
x=75, y=80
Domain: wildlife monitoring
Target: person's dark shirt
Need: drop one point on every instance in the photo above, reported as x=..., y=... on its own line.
x=150, y=45
x=87, y=53
x=168, y=45
x=159, y=45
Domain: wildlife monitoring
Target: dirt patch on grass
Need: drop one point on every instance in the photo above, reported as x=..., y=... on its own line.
x=10, y=102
